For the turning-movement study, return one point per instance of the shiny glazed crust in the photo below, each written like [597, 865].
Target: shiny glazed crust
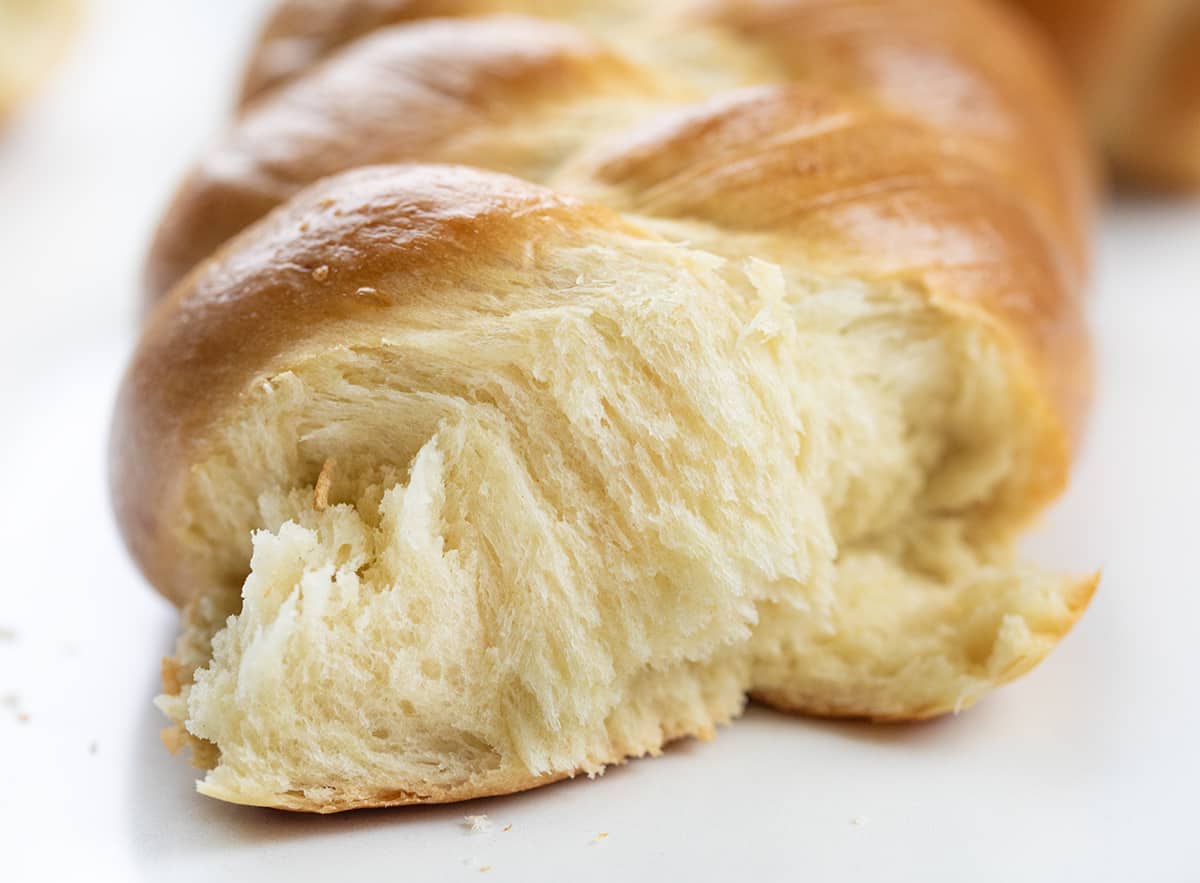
[1135, 65]
[484, 87]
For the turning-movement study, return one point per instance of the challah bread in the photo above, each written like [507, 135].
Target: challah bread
[1136, 64]
[467, 483]
[32, 36]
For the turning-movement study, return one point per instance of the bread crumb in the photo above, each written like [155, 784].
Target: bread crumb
[7, 634]
[506, 828]
[961, 702]
[477, 824]
[173, 738]
[602, 835]
[12, 701]
[483, 869]
[858, 821]
[321, 273]
[321, 490]
[171, 673]
[93, 747]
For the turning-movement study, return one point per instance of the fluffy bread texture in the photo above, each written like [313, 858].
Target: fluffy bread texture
[591, 486]
[33, 34]
[467, 484]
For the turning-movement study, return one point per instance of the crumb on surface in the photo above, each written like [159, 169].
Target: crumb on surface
[172, 674]
[477, 824]
[506, 828]
[483, 869]
[321, 489]
[173, 738]
[858, 821]
[12, 701]
[7, 634]
[321, 273]
[93, 747]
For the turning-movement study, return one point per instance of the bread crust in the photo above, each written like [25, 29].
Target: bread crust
[1133, 63]
[393, 98]
[340, 106]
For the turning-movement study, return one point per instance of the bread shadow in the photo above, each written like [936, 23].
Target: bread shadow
[907, 736]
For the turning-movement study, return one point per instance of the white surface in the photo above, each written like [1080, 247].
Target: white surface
[1086, 770]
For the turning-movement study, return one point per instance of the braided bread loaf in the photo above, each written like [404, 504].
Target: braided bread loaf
[1136, 64]
[730, 356]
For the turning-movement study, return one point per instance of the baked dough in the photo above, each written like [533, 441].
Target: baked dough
[1136, 65]
[741, 373]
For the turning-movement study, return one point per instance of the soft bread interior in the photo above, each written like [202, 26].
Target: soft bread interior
[518, 537]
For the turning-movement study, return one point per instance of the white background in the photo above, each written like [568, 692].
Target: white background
[1087, 770]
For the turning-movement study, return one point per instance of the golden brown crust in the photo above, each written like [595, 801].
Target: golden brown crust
[1134, 66]
[1003, 97]
[1159, 147]
[299, 34]
[411, 94]
[966, 65]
